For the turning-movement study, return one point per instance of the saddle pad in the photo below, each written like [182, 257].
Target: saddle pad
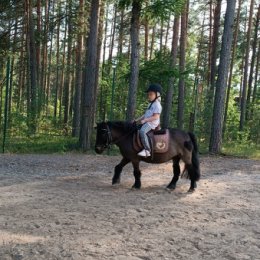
[160, 142]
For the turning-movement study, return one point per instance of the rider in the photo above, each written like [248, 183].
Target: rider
[151, 118]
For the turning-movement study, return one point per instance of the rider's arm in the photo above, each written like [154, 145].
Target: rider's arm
[139, 118]
[150, 119]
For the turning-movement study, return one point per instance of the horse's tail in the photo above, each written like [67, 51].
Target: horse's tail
[195, 158]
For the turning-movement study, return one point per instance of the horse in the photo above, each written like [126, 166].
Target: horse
[182, 146]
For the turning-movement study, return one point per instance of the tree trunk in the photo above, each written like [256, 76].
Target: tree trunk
[113, 31]
[217, 121]
[244, 91]
[57, 63]
[146, 38]
[32, 120]
[134, 31]
[257, 68]
[210, 40]
[78, 79]
[121, 33]
[67, 85]
[214, 49]
[90, 78]
[44, 60]
[232, 64]
[252, 65]
[152, 42]
[181, 85]
[100, 39]
[169, 95]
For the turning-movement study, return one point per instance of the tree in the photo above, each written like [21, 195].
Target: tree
[169, 94]
[246, 65]
[32, 90]
[181, 86]
[217, 121]
[78, 80]
[88, 105]
[252, 65]
[135, 56]
[232, 64]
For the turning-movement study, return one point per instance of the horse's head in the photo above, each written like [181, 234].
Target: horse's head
[102, 138]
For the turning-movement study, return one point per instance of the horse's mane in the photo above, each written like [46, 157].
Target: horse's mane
[122, 125]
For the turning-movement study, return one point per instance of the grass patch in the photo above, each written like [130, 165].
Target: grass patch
[242, 150]
[42, 144]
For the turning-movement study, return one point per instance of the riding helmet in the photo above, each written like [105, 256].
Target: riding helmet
[157, 88]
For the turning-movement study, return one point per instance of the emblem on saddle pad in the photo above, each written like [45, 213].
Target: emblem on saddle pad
[160, 145]
[159, 141]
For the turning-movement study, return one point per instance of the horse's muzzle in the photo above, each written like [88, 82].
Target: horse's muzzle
[99, 149]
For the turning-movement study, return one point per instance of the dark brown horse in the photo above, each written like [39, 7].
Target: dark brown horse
[182, 146]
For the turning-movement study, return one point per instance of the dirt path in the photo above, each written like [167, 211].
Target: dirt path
[64, 207]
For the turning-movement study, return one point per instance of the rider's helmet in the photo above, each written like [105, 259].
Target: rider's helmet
[157, 88]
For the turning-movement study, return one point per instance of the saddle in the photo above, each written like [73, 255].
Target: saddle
[159, 140]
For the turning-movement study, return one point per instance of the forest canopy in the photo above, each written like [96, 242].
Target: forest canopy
[66, 64]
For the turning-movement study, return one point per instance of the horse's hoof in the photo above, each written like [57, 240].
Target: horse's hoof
[191, 190]
[115, 182]
[171, 187]
[136, 187]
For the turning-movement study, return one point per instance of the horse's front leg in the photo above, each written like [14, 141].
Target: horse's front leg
[176, 174]
[118, 170]
[137, 175]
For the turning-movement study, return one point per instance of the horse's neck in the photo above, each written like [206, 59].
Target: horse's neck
[119, 134]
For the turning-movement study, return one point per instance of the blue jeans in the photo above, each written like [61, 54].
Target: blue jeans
[144, 138]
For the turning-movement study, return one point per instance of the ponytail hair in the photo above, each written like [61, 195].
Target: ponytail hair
[159, 97]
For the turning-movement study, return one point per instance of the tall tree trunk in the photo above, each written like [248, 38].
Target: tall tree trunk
[78, 79]
[38, 42]
[33, 70]
[67, 85]
[169, 95]
[181, 85]
[44, 60]
[103, 101]
[113, 31]
[134, 31]
[167, 34]
[100, 39]
[121, 33]
[217, 121]
[152, 42]
[12, 72]
[214, 49]
[210, 40]
[252, 65]
[257, 69]
[90, 78]
[57, 62]
[146, 38]
[244, 91]
[232, 64]
[49, 67]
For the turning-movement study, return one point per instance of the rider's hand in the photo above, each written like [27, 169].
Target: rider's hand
[143, 121]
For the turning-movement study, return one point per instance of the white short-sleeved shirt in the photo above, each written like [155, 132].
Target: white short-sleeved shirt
[155, 108]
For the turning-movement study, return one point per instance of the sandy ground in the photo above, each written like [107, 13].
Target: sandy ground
[64, 207]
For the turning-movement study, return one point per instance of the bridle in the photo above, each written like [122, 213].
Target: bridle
[109, 139]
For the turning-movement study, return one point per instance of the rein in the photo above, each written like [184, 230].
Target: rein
[110, 141]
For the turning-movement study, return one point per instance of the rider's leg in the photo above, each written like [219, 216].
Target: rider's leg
[145, 141]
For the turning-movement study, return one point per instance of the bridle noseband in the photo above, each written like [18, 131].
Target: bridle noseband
[109, 140]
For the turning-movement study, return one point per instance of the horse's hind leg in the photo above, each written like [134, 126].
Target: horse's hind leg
[176, 174]
[137, 175]
[193, 184]
[118, 170]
